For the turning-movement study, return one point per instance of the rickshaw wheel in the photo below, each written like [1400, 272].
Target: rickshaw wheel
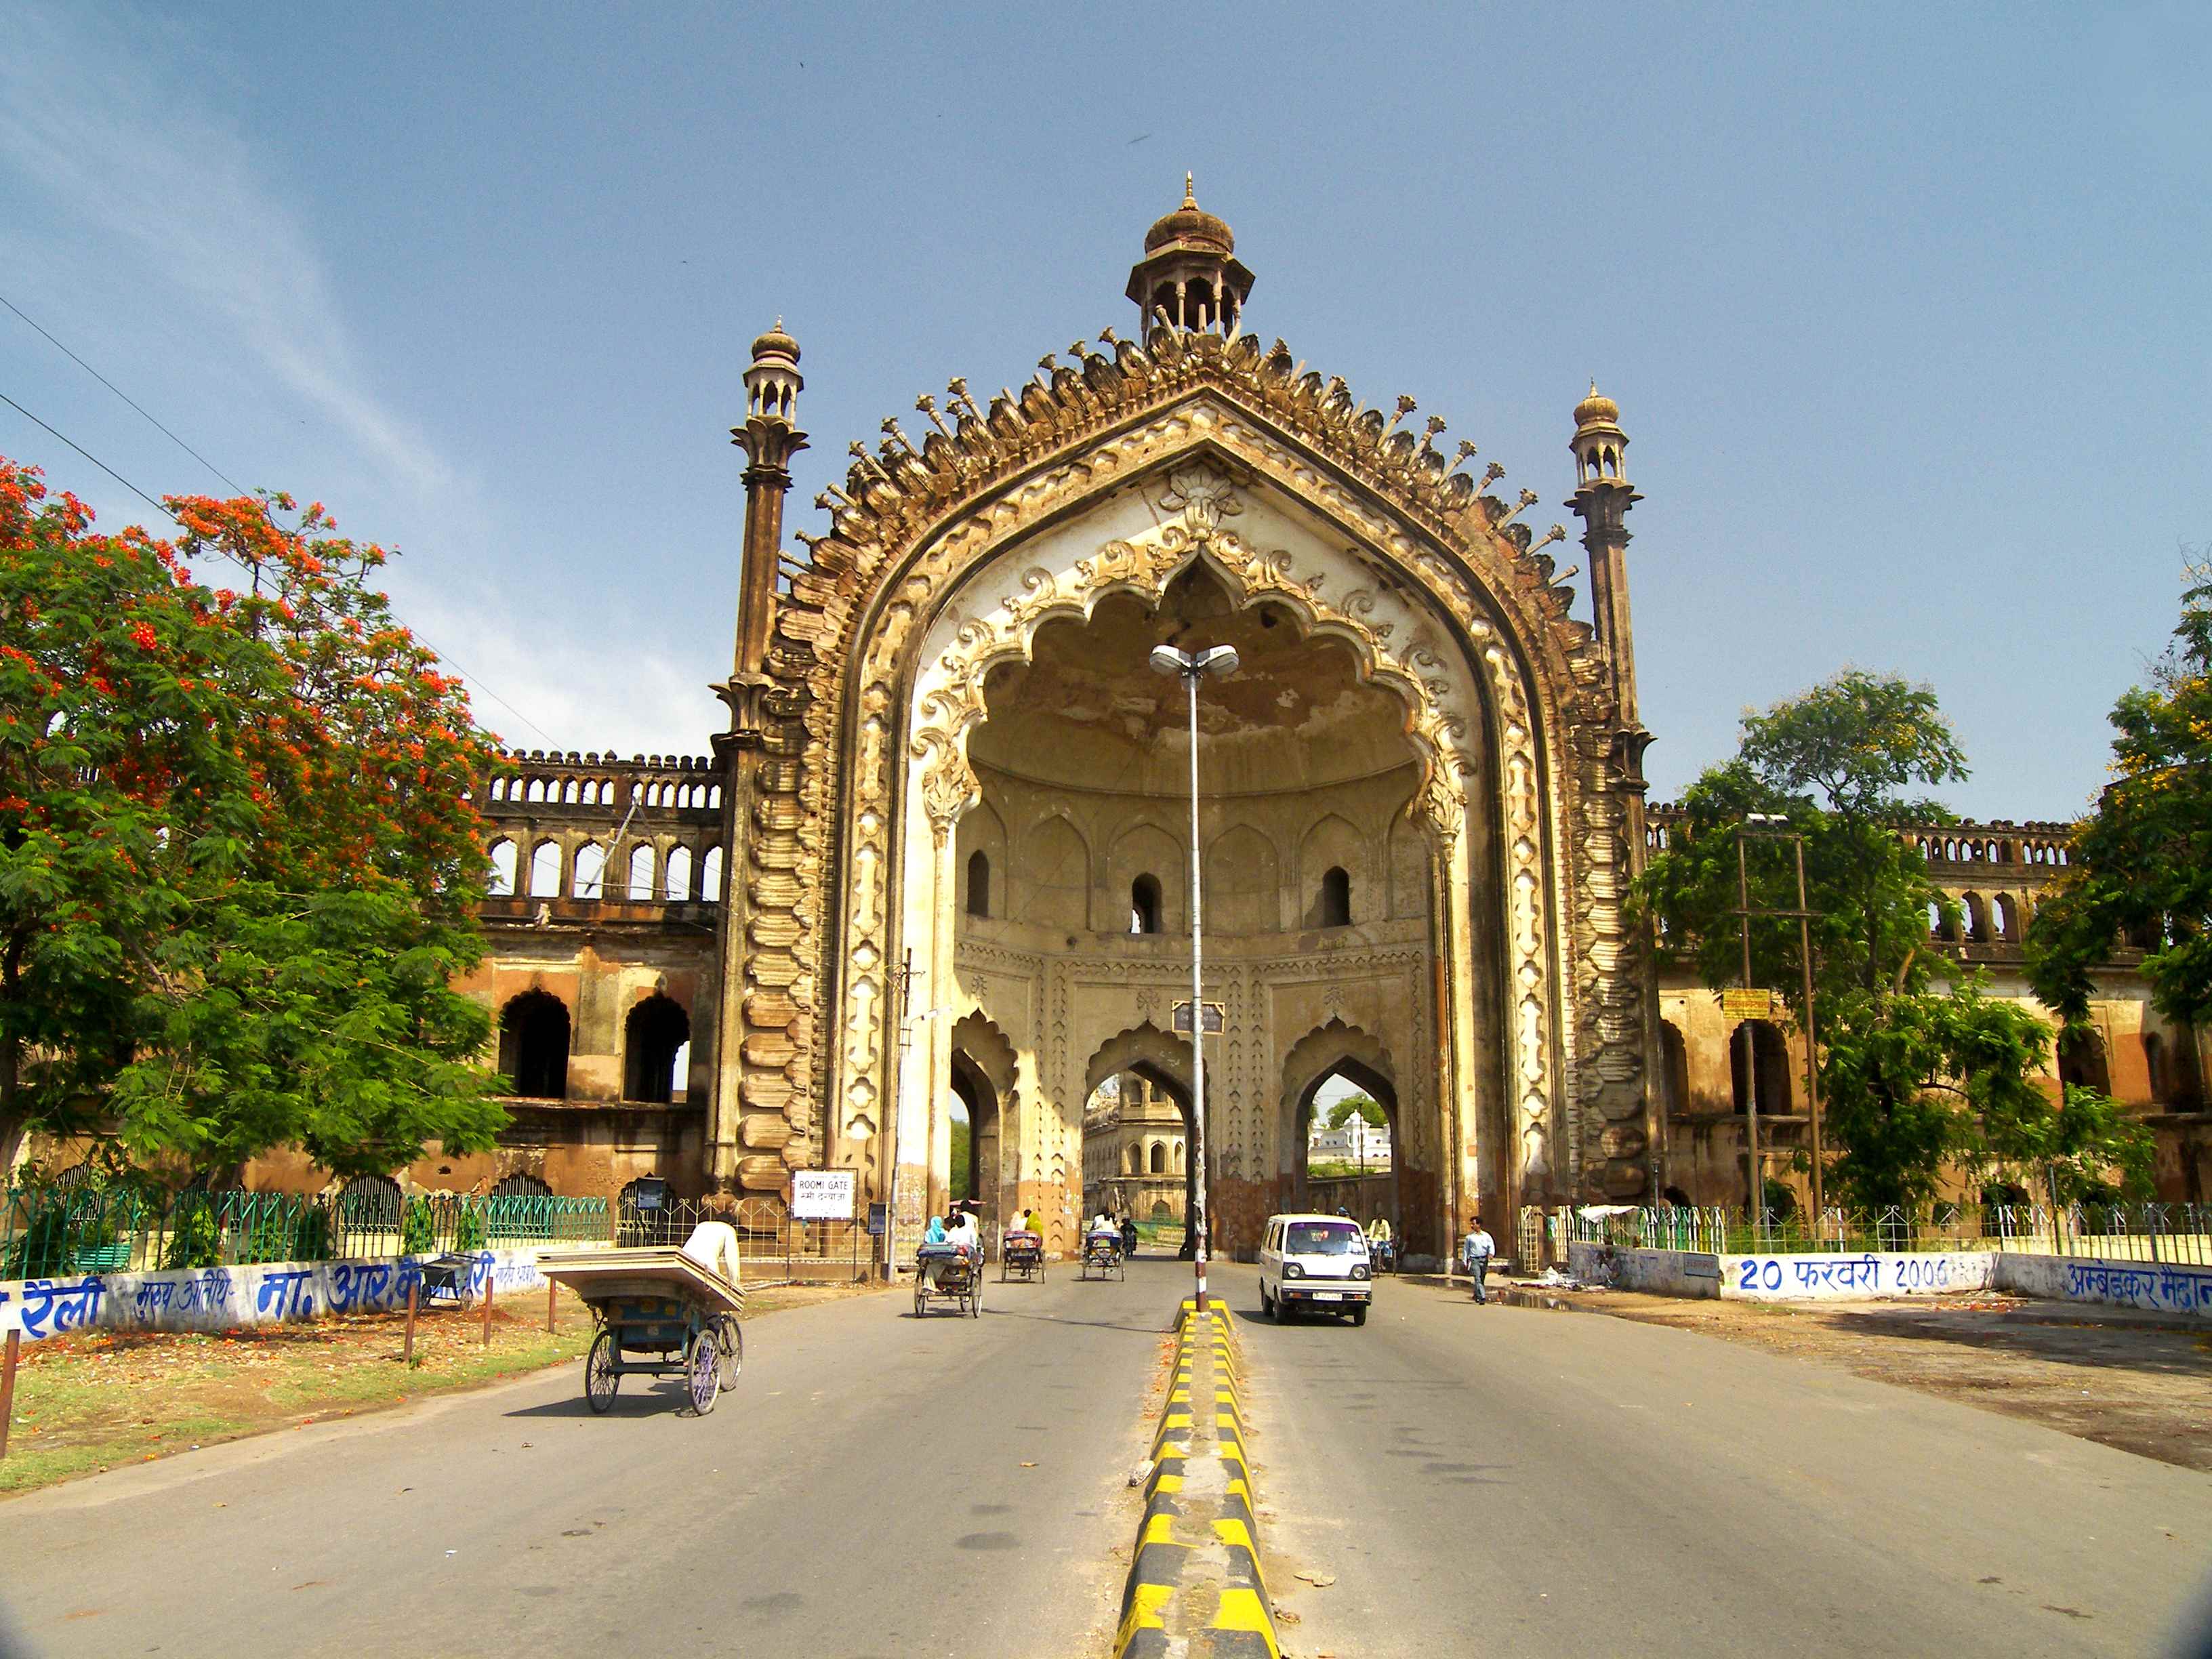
[975, 1297]
[920, 1294]
[600, 1377]
[706, 1374]
[729, 1348]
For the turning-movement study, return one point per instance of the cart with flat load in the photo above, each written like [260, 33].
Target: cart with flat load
[948, 1276]
[1021, 1254]
[663, 1311]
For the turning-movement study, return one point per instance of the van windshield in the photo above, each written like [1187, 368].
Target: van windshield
[1324, 1238]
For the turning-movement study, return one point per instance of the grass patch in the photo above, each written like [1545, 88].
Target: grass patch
[92, 1401]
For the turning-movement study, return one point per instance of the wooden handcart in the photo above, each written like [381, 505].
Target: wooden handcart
[661, 1313]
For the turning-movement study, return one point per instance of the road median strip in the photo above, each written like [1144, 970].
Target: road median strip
[1195, 1586]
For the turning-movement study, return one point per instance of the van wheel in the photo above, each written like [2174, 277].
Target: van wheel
[1280, 1311]
[1359, 1315]
[1267, 1303]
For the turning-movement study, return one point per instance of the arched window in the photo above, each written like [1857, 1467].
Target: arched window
[584, 879]
[1760, 1064]
[979, 883]
[533, 1046]
[654, 1030]
[1674, 1066]
[641, 871]
[1145, 905]
[1159, 1157]
[710, 876]
[1978, 919]
[2082, 1061]
[2004, 920]
[545, 870]
[1334, 905]
[1135, 1161]
[500, 883]
[676, 874]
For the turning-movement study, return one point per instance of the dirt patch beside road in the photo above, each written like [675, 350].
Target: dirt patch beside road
[91, 1400]
[2132, 1385]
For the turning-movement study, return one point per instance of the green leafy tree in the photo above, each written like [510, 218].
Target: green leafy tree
[2141, 865]
[238, 868]
[1914, 1077]
[1359, 1106]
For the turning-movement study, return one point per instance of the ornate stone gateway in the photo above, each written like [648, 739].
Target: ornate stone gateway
[956, 799]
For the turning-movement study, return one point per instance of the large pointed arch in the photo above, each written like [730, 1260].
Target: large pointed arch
[942, 565]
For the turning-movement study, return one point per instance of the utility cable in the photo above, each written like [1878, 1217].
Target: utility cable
[236, 486]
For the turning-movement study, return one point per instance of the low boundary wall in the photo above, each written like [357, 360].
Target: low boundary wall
[227, 1299]
[2153, 1287]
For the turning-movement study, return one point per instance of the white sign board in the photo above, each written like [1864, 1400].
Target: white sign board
[822, 1194]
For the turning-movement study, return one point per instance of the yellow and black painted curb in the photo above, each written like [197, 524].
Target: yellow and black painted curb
[1195, 1587]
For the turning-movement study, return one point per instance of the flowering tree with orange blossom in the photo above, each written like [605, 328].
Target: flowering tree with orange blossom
[239, 865]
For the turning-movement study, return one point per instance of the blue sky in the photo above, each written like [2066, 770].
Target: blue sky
[1905, 307]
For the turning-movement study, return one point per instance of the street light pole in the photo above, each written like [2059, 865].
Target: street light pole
[1193, 666]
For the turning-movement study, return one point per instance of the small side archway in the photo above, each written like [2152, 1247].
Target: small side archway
[533, 1045]
[655, 1033]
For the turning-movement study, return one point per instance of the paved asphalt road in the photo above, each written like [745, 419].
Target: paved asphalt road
[862, 1492]
[1505, 1481]
[1489, 1481]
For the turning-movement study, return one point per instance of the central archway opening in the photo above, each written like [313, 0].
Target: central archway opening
[1073, 871]
[1346, 1146]
[1136, 1155]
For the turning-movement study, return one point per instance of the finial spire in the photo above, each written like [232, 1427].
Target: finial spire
[1190, 190]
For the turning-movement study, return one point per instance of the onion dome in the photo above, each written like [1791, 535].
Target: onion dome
[1190, 226]
[776, 343]
[1597, 410]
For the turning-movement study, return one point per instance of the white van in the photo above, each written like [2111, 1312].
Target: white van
[1316, 1261]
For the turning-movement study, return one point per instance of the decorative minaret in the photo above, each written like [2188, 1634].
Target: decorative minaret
[1188, 276]
[769, 440]
[1602, 498]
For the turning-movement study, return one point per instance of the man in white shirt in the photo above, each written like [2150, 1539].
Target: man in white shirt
[1475, 1250]
[964, 1235]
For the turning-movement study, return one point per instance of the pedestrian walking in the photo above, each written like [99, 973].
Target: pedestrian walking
[1475, 1250]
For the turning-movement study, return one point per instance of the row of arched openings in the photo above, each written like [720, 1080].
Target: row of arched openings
[534, 1042]
[648, 876]
[1760, 1069]
[1160, 1159]
[1332, 905]
[1979, 921]
[603, 792]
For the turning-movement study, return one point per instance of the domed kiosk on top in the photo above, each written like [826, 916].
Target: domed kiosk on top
[1189, 278]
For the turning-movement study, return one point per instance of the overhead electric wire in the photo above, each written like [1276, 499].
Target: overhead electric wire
[65, 438]
[126, 397]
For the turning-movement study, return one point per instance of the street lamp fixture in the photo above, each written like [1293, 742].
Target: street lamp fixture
[1191, 666]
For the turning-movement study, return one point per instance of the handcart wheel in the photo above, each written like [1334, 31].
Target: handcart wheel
[601, 1379]
[729, 1348]
[705, 1373]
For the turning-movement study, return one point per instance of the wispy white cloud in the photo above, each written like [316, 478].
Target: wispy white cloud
[136, 168]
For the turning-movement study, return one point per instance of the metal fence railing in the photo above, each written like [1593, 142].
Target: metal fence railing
[2178, 1233]
[50, 1231]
